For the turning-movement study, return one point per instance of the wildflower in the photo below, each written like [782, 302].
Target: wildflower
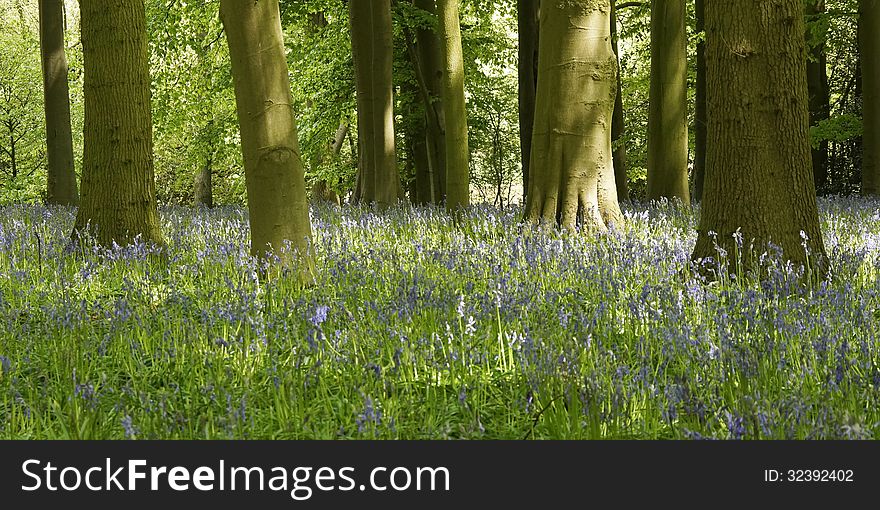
[376, 369]
[714, 351]
[738, 237]
[130, 430]
[85, 391]
[320, 315]
[735, 425]
[370, 415]
[5, 364]
[471, 326]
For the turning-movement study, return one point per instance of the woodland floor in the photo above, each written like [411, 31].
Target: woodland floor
[418, 328]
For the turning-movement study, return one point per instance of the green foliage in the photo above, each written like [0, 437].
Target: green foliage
[839, 129]
[194, 117]
[837, 28]
[634, 45]
[322, 76]
[194, 108]
[492, 99]
[22, 124]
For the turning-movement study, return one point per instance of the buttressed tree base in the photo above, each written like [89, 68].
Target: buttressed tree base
[571, 178]
[759, 179]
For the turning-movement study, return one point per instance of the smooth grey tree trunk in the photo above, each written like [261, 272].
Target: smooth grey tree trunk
[61, 177]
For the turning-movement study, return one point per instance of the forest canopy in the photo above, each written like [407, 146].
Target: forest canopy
[194, 112]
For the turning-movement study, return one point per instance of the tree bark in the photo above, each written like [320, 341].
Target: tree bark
[276, 193]
[572, 174]
[371, 40]
[421, 167]
[618, 128]
[817, 86]
[118, 200]
[527, 12]
[454, 109]
[759, 176]
[203, 192]
[322, 190]
[667, 117]
[430, 72]
[869, 35]
[417, 155]
[61, 177]
[700, 120]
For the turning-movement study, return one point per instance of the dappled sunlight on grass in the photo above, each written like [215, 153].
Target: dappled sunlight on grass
[420, 328]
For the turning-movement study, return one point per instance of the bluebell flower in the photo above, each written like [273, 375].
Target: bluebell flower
[130, 430]
[320, 315]
[735, 425]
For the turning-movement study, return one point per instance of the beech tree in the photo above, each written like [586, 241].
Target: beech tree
[700, 121]
[371, 40]
[667, 119]
[454, 109]
[759, 179]
[618, 128]
[571, 176]
[527, 17]
[322, 190]
[428, 59]
[203, 187]
[869, 30]
[276, 190]
[118, 201]
[817, 87]
[61, 177]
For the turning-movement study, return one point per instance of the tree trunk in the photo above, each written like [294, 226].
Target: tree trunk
[572, 174]
[817, 86]
[276, 192]
[870, 57]
[454, 110]
[430, 72]
[13, 158]
[667, 117]
[203, 193]
[371, 40]
[700, 120]
[419, 162]
[759, 176]
[118, 199]
[61, 177]
[527, 11]
[618, 127]
[421, 165]
[322, 190]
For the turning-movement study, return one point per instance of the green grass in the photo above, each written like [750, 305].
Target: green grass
[482, 330]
